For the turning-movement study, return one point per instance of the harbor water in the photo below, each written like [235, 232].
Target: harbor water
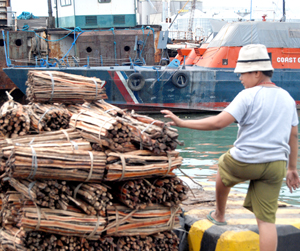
[202, 150]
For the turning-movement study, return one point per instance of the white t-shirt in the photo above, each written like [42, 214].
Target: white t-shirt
[265, 116]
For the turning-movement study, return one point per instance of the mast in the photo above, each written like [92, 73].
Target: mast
[50, 15]
[57, 24]
[191, 21]
[250, 10]
[283, 11]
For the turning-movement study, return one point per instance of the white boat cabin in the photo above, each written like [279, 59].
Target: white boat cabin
[96, 13]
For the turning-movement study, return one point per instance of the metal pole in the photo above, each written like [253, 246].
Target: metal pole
[250, 10]
[56, 14]
[283, 10]
[163, 12]
[50, 15]
[50, 8]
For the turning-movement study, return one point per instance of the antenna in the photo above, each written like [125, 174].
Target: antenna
[191, 21]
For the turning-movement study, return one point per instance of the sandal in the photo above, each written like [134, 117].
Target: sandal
[211, 219]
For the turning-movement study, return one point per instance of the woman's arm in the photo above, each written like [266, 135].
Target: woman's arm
[217, 122]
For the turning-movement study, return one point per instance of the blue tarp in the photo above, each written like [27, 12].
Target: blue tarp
[26, 15]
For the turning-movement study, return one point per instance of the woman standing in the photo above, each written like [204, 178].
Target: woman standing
[267, 143]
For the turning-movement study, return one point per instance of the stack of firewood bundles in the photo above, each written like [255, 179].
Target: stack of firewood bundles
[44, 168]
[60, 87]
[66, 186]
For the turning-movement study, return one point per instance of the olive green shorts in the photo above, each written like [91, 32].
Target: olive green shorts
[265, 183]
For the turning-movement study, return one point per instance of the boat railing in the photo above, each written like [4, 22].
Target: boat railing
[183, 35]
[179, 35]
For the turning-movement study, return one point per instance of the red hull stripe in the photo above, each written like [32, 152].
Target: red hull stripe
[217, 106]
[185, 105]
[121, 84]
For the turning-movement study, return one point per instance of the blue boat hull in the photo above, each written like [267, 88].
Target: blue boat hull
[206, 90]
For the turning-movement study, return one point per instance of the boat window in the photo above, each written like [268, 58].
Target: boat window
[65, 2]
[18, 42]
[104, 1]
[295, 33]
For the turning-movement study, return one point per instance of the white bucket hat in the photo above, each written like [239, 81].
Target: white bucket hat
[253, 57]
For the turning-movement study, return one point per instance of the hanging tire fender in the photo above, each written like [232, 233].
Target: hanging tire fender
[136, 81]
[180, 79]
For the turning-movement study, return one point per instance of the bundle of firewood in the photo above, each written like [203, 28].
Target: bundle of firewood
[134, 193]
[124, 221]
[169, 191]
[162, 241]
[60, 136]
[142, 192]
[46, 117]
[164, 138]
[141, 163]
[52, 194]
[40, 241]
[166, 240]
[96, 195]
[105, 243]
[110, 127]
[60, 87]
[70, 222]
[12, 238]
[12, 202]
[62, 140]
[50, 162]
[14, 121]
[102, 128]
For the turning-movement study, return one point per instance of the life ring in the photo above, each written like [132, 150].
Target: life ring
[180, 79]
[136, 81]
[164, 62]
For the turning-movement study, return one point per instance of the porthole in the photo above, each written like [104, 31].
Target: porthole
[18, 42]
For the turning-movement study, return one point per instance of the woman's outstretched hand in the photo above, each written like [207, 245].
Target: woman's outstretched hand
[175, 120]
